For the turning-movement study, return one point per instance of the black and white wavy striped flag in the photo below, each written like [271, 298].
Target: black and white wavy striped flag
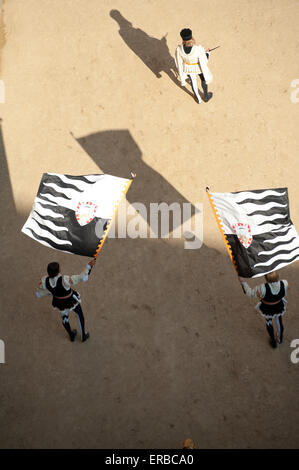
[257, 229]
[73, 213]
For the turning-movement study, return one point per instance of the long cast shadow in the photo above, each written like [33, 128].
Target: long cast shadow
[153, 52]
[9, 220]
[163, 322]
[117, 153]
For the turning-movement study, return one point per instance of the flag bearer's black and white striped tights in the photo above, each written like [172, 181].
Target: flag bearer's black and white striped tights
[67, 326]
[270, 329]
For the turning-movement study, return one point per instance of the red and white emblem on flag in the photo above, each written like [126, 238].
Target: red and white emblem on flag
[85, 212]
[243, 232]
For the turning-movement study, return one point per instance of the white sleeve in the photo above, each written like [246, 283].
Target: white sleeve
[179, 64]
[286, 285]
[258, 291]
[42, 283]
[69, 281]
[203, 60]
[42, 291]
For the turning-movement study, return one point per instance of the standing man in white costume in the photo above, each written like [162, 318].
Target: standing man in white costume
[192, 60]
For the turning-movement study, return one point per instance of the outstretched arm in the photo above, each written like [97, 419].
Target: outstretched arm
[258, 291]
[69, 281]
[41, 291]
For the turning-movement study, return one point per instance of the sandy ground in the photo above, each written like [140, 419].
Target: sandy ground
[176, 350]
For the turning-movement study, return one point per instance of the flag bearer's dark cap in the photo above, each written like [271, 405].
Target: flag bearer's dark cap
[186, 34]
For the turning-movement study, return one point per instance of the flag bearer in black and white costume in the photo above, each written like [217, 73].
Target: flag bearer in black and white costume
[272, 303]
[65, 298]
[73, 213]
[192, 60]
[261, 239]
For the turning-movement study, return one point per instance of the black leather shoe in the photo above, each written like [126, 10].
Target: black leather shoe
[273, 343]
[279, 340]
[74, 334]
[207, 97]
[85, 337]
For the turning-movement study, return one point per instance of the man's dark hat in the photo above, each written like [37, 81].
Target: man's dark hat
[186, 34]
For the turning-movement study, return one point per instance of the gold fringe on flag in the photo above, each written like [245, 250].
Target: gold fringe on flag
[124, 192]
[221, 229]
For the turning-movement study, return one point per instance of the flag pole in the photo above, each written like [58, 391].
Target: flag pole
[219, 223]
[108, 227]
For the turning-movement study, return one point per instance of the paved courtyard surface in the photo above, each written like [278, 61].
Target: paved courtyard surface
[176, 350]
